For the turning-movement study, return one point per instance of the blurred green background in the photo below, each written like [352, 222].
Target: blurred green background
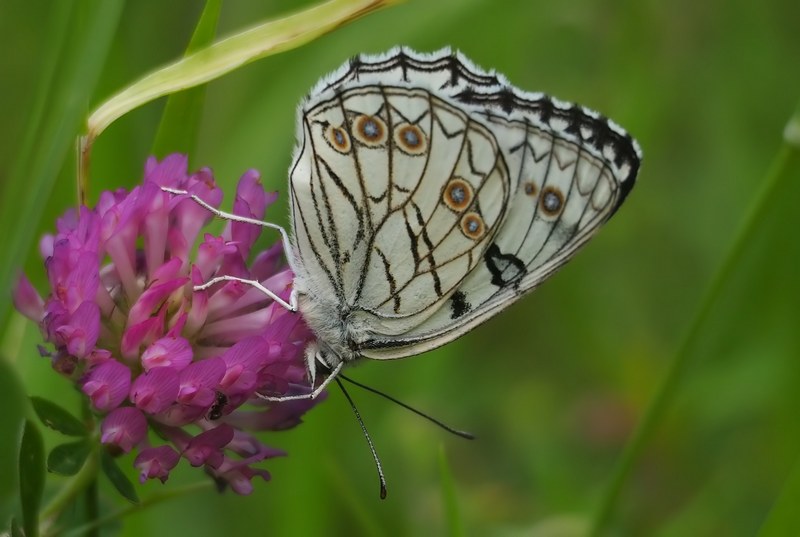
[555, 386]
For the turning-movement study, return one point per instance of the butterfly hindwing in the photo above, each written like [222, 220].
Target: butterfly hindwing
[570, 170]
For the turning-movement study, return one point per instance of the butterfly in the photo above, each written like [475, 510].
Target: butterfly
[427, 195]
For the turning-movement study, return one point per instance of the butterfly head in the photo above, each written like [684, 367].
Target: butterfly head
[321, 360]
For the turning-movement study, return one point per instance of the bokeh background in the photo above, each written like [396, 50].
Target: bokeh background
[555, 386]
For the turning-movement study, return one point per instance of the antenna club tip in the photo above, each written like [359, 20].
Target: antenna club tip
[383, 491]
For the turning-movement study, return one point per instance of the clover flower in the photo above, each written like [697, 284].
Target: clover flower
[174, 372]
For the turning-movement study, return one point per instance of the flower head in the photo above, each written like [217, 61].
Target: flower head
[151, 350]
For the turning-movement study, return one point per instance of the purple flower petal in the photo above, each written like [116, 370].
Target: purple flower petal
[206, 448]
[211, 253]
[46, 246]
[107, 385]
[80, 333]
[27, 300]
[156, 226]
[153, 298]
[188, 216]
[251, 448]
[277, 417]
[82, 281]
[124, 427]
[170, 351]
[234, 264]
[199, 380]
[143, 333]
[251, 202]
[156, 390]
[178, 415]
[240, 310]
[156, 462]
[239, 476]
[199, 306]
[119, 228]
[170, 171]
[178, 248]
[243, 362]
[97, 357]
[268, 262]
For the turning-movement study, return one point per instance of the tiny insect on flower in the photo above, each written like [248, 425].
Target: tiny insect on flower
[154, 353]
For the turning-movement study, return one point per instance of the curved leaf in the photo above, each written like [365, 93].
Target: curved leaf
[118, 478]
[223, 57]
[67, 459]
[87, 29]
[12, 420]
[455, 524]
[16, 531]
[31, 477]
[180, 121]
[57, 418]
[784, 519]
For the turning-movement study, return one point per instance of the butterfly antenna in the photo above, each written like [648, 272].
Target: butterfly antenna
[368, 437]
[462, 434]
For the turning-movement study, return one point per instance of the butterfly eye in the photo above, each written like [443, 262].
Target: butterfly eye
[338, 139]
[370, 130]
[457, 194]
[410, 139]
[552, 201]
[472, 226]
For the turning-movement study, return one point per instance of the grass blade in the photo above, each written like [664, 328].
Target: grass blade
[89, 30]
[776, 199]
[220, 58]
[31, 477]
[180, 122]
[455, 525]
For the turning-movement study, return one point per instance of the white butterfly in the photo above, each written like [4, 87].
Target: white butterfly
[427, 195]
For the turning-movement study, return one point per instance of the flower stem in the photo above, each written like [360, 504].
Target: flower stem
[77, 484]
[92, 527]
[91, 498]
[92, 510]
[785, 161]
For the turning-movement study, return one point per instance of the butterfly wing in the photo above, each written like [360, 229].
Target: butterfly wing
[570, 171]
[427, 195]
[396, 194]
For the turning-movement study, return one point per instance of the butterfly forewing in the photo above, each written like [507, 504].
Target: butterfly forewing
[400, 196]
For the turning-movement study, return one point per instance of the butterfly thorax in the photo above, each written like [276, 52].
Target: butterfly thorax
[334, 327]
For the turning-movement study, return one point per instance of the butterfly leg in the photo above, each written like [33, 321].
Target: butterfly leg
[292, 304]
[313, 395]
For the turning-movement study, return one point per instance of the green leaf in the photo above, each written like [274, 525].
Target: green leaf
[80, 34]
[118, 478]
[455, 525]
[57, 418]
[67, 459]
[746, 275]
[31, 477]
[12, 421]
[16, 531]
[784, 518]
[223, 57]
[180, 121]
